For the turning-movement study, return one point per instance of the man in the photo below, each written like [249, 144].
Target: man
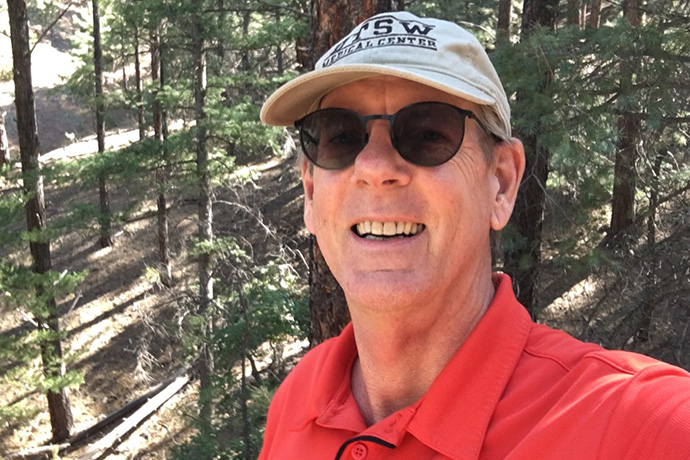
[409, 164]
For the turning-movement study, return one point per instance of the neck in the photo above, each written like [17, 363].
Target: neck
[401, 356]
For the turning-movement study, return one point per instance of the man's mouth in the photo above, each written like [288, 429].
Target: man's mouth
[375, 230]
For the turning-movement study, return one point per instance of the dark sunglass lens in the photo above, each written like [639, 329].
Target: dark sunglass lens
[428, 134]
[332, 138]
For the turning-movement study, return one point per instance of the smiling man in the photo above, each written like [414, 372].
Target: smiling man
[408, 165]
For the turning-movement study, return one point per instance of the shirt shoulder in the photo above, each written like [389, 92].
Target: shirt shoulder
[641, 405]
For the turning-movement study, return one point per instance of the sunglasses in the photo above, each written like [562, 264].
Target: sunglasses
[424, 134]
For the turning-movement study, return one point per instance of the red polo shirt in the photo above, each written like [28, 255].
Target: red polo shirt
[514, 390]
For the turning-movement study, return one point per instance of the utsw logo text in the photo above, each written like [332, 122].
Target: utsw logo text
[383, 31]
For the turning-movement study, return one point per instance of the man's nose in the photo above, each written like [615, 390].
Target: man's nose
[379, 163]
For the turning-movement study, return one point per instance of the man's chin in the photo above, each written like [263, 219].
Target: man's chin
[383, 292]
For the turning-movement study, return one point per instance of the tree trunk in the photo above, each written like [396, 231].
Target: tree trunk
[331, 21]
[246, 21]
[4, 143]
[51, 350]
[205, 263]
[573, 12]
[522, 260]
[140, 95]
[161, 170]
[279, 50]
[654, 196]
[594, 14]
[583, 15]
[624, 174]
[123, 58]
[504, 13]
[106, 238]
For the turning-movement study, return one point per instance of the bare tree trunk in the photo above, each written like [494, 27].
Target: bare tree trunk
[4, 143]
[629, 125]
[161, 170]
[279, 50]
[573, 12]
[246, 21]
[583, 15]
[504, 13]
[137, 77]
[522, 261]
[205, 263]
[654, 197]
[106, 237]
[594, 14]
[222, 20]
[51, 350]
[123, 57]
[244, 393]
[331, 21]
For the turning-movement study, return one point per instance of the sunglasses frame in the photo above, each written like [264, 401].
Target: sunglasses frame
[365, 119]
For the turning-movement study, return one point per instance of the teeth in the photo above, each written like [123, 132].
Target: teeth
[389, 228]
[375, 228]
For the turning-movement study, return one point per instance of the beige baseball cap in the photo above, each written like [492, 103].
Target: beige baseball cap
[433, 52]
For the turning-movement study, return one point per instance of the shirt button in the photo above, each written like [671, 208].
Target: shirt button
[359, 451]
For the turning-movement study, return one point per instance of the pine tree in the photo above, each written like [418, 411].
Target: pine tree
[46, 315]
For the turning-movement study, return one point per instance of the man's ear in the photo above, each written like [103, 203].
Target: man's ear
[509, 166]
[308, 184]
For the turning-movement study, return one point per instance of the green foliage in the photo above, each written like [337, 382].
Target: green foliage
[33, 293]
[260, 306]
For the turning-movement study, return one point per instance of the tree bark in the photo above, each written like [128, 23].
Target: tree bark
[279, 49]
[246, 21]
[51, 350]
[104, 200]
[573, 12]
[505, 8]
[629, 125]
[140, 94]
[161, 170]
[331, 21]
[205, 263]
[4, 143]
[654, 196]
[594, 14]
[522, 260]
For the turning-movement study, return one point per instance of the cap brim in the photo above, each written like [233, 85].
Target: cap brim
[300, 96]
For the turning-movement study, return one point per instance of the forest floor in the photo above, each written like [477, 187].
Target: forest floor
[120, 327]
[121, 330]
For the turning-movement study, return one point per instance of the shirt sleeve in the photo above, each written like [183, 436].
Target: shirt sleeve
[652, 419]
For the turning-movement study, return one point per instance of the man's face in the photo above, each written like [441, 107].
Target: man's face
[453, 206]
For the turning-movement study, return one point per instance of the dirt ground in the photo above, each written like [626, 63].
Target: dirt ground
[122, 327]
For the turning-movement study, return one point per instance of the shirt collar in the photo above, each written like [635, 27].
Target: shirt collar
[475, 379]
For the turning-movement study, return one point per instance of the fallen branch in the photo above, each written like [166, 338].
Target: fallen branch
[125, 410]
[27, 453]
[136, 418]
